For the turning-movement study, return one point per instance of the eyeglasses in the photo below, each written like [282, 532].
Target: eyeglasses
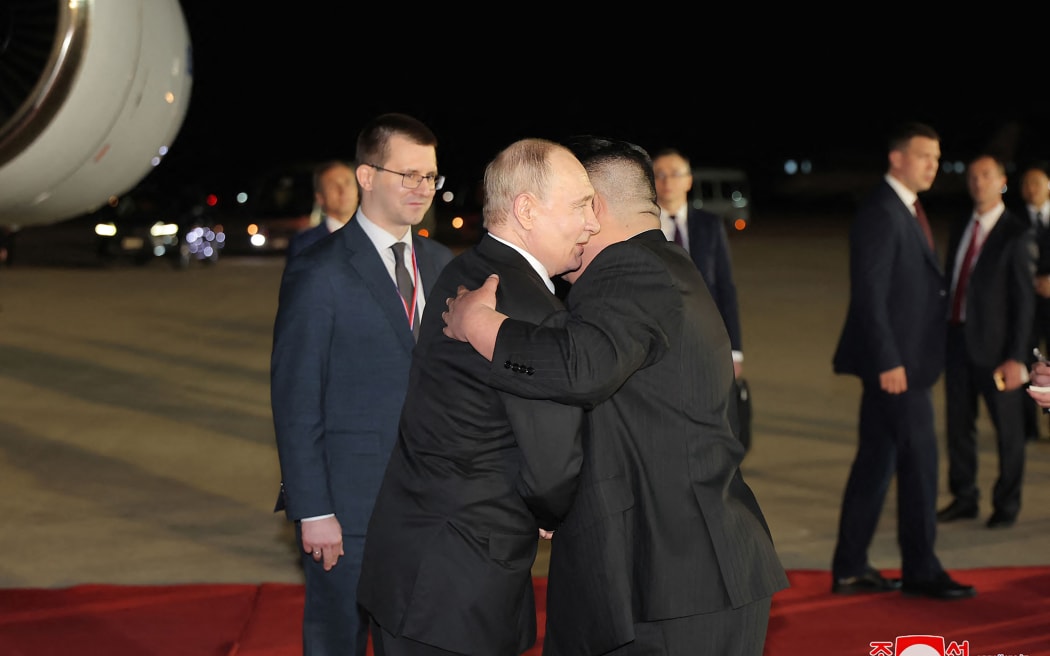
[412, 180]
[667, 176]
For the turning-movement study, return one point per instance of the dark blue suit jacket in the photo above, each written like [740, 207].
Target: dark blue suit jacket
[709, 248]
[898, 296]
[342, 348]
[304, 238]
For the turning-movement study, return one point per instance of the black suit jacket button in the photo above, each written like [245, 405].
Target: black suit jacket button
[508, 365]
[529, 370]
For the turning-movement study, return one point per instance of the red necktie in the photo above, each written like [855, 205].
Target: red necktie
[964, 273]
[920, 214]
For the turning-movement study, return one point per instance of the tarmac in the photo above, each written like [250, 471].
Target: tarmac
[136, 442]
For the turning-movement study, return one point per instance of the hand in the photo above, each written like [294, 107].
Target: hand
[1042, 399]
[1041, 374]
[324, 539]
[894, 381]
[1013, 375]
[545, 534]
[1042, 286]
[472, 317]
[460, 307]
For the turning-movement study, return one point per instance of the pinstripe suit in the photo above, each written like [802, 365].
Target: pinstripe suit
[663, 525]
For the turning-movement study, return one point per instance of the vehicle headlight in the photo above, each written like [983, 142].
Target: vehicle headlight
[105, 229]
[161, 229]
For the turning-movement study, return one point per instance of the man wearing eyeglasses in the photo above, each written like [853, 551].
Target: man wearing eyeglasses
[342, 347]
[703, 235]
[476, 472]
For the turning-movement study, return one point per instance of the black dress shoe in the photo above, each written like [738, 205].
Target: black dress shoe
[1000, 519]
[868, 582]
[957, 510]
[942, 587]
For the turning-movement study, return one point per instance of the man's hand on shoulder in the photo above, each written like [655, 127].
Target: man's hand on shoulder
[472, 317]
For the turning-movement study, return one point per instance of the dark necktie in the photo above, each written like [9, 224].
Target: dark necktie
[964, 273]
[405, 286]
[920, 214]
[677, 233]
[1038, 223]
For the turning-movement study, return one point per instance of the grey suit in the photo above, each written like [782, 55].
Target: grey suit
[339, 370]
[663, 526]
[475, 474]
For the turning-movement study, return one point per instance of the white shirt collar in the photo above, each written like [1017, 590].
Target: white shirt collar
[381, 239]
[332, 224]
[908, 197]
[668, 221]
[1044, 211]
[540, 269]
[989, 219]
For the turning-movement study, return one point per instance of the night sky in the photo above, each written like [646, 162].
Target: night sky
[296, 84]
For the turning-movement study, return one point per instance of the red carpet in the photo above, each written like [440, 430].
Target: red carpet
[1010, 615]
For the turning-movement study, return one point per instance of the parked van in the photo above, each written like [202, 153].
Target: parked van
[724, 191]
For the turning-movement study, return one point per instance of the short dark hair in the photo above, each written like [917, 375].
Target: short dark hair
[595, 153]
[666, 152]
[1037, 165]
[374, 139]
[905, 132]
[325, 167]
[1000, 164]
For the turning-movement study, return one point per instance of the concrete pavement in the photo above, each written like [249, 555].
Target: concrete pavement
[136, 445]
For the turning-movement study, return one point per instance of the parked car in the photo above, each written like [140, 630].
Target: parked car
[150, 222]
[724, 191]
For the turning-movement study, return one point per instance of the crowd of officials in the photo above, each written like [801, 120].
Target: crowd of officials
[437, 415]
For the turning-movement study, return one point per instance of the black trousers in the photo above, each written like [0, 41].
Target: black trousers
[965, 383]
[896, 438]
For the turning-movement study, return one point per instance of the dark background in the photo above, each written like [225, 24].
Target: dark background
[295, 82]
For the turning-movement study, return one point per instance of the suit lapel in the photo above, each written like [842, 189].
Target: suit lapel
[915, 228]
[365, 263]
[508, 257]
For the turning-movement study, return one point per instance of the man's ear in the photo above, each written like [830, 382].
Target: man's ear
[598, 205]
[523, 206]
[365, 174]
[895, 158]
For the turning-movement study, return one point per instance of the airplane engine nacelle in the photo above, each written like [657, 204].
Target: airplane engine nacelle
[94, 93]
